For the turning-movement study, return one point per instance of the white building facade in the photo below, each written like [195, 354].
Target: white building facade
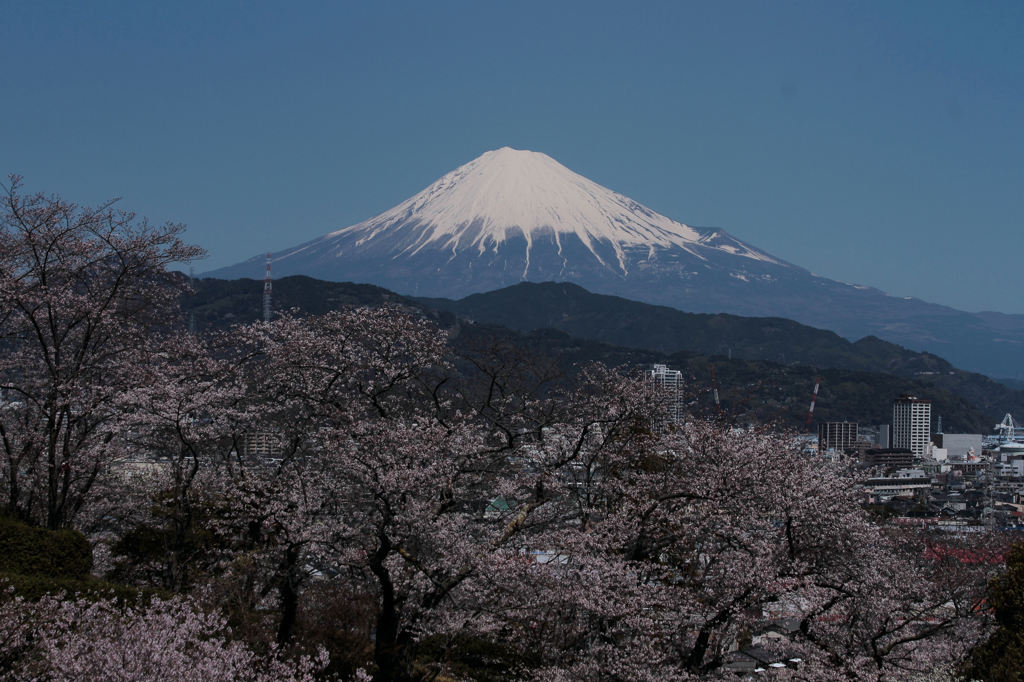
[911, 423]
[670, 383]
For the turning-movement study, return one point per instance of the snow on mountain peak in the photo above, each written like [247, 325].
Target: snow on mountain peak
[508, 193]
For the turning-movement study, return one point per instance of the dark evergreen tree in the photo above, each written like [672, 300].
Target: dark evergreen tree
[1001, 658]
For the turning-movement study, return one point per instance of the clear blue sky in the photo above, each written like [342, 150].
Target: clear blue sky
[879, 142]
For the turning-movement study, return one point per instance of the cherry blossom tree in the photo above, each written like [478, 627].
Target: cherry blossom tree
[81, 289]
[359, 389]
[388, 477]
[69, 639]
[183, 422]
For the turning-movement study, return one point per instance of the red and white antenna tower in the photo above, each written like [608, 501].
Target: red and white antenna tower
[814, 399]
[714, 389]
[266, 293]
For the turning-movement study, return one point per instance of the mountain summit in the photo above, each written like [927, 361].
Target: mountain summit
[512, 215]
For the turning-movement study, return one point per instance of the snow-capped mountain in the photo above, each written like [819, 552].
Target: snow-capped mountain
[509, 216]
[513, 215]
[513, 196]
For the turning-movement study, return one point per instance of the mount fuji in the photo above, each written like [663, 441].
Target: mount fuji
[510, 216]
[513, 215]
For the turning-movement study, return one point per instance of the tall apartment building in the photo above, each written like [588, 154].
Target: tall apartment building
[670, 383]
[839, 436]
[911, 423]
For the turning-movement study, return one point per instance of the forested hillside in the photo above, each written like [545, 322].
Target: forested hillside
[766, 367]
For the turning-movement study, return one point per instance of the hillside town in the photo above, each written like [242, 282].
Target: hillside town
[911, 471]
[919, 475]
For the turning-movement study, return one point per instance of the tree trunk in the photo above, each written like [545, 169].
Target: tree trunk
[389, 651]
[288, 590]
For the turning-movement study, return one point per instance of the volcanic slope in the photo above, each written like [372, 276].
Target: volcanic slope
[512, 215]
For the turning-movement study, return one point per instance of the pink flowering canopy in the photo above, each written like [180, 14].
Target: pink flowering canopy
[350, 481]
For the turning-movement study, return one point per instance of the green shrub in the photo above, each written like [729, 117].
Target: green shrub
[31, 551]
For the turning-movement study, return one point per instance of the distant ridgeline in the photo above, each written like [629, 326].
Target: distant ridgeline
[765, 366]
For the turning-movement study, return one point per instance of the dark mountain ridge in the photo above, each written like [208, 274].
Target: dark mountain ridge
[619, 321]
[765, 366]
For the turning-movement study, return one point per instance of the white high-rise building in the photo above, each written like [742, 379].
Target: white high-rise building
[670, 382]
[911, 423]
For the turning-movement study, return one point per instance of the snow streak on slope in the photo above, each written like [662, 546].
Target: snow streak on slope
[510, 193]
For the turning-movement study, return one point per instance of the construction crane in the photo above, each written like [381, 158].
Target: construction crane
[814, 399]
